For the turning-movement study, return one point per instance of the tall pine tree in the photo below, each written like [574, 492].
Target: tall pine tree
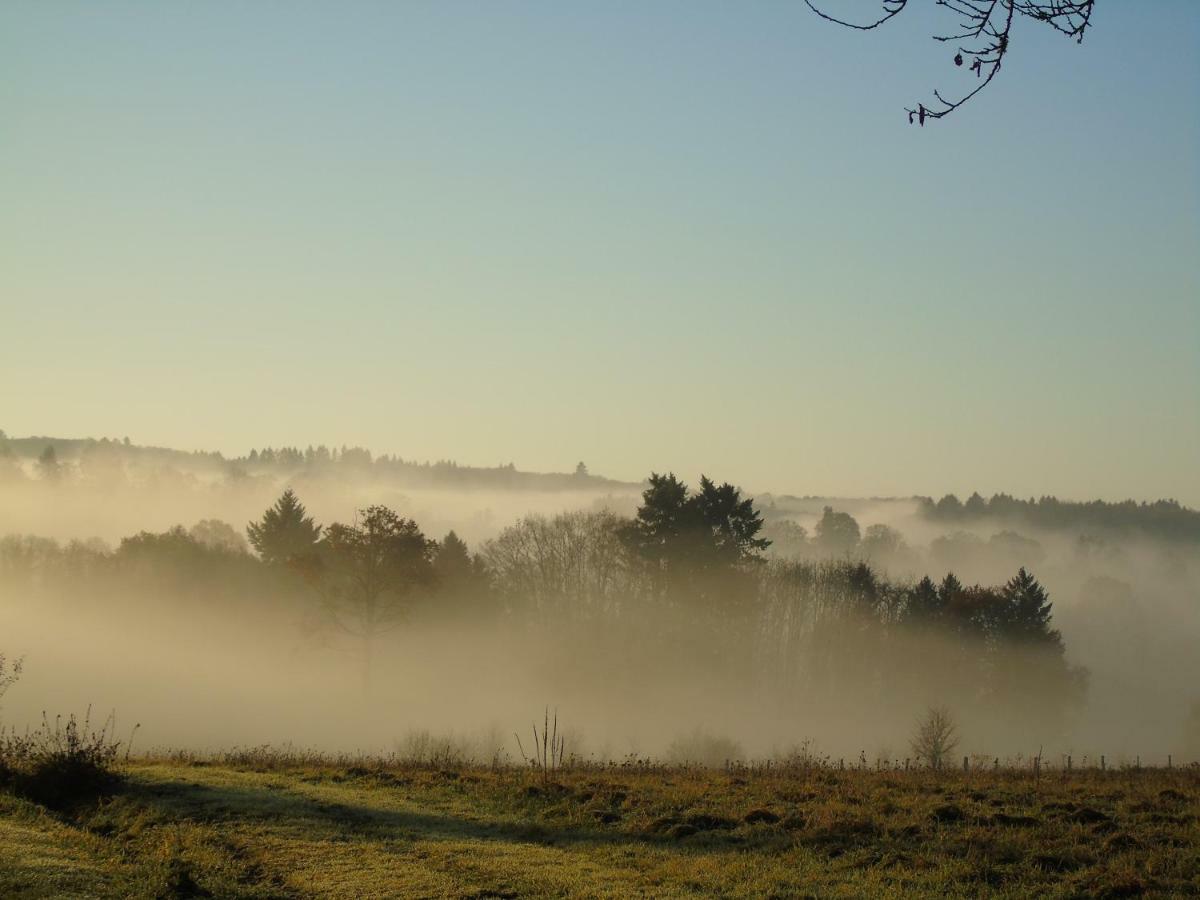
[285, 531]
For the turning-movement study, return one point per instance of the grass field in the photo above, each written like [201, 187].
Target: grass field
[195, 829]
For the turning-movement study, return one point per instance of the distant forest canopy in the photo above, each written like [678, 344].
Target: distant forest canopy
[112, 461]
[1161, 518]
[82, 454]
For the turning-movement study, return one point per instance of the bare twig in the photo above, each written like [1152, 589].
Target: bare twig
[986, 28]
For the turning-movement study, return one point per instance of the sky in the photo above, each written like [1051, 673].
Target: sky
[684, 235]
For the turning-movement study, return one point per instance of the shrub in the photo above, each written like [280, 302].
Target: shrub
[60, 765]
[420, 748]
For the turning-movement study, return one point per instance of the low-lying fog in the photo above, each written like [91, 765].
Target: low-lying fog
[213, 651]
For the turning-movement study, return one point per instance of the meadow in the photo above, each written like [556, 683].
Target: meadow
[268, 823]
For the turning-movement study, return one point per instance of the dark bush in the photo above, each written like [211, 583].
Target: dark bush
[61, 765]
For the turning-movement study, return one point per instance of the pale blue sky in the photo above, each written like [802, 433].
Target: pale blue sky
[678, 234]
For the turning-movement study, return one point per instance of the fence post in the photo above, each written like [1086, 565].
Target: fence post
[1102, 765]
[996, 765]
[966, 765]
[1168, 760]
[1068, 763]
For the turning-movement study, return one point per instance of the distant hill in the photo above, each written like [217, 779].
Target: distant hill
[318, 462]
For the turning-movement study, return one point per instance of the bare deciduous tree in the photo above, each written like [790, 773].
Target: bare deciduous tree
[935, 738]
[983, 36]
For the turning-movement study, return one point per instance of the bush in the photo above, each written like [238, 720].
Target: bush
[60, 766]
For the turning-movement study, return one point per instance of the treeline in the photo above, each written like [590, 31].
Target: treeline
[116, 462]
[684, 580]
[1161, 518]
[321, 460]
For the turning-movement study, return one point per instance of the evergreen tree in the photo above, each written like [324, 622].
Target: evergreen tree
[732, 522]
[284, 532]
[682, 534]
[1027, 613]
[923, 603]
[462, 580]
[696, 548]
[452, 560]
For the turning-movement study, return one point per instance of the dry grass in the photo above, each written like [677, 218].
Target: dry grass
[300, 826]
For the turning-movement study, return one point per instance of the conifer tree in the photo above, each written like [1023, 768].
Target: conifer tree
[285, 531]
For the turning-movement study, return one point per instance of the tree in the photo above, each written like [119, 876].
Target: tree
[923, 603]
[284, 532]
[1013, 549]
[1029, 663]
[881, 541]
[665, 517]
[788, 538]
[734, 523]
[837, 532]
[368, 572]
[1027, 613]
[683, 536]
[935, 738]
[218, 535]
[581, 470]
[699, 552]
[452, 559]
[462, 580]
[48, 466]
[961, 550]
[986, 26]
[571, 568]
[949, 507]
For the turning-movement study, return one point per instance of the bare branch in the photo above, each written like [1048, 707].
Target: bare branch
[986, 28]
[890, 8]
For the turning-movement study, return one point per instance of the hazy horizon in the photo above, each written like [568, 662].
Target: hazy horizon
[242, 453]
